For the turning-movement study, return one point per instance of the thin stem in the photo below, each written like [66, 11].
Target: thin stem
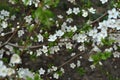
[98, 19]
[8, 39]
[74, 57]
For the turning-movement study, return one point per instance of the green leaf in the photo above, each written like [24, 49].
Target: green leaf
[37, 77]
[44, 16]
[5, 60]
[59, 72]
[68, 34]
[52, 3]
[81, 71]
[85, 28]
[107, 42]
[107, 54]
[96, 57]
[101, 56]
[25, 2]
[30, 28]
[51, 44]
[46, 35]
[28, 78]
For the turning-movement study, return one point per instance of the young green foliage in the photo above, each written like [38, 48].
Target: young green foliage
[44, 16]
[81, 71]
[36, 77]
[52, 3]
[107, 42]
[100, 56]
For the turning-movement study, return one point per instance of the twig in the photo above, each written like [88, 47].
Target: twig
[65, 63]
[69, 60]
[32, 47]
[99, 18]
[14, 45]
[8, 39]
[8, 33]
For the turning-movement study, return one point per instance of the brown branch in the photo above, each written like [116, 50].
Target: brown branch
[32, 47]
[71, 59]
[8, 33]
[8, 39]
[15, 45]
[98, 19]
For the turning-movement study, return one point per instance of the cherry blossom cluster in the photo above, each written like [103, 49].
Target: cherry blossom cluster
[66, 35]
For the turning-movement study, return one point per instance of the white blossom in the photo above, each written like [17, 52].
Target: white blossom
[2, 34]
[113, 13]
[3, 71]
[103, 25]
[56, 48]
[69, 45]
[64, 26]
[39, 52]
[117, 24]
[1, 29]
[93, 32]
[29, 2]
[1, 63]
[15, 59]
[4, 24]
[41, 71]
[59, 33]
[78, 63]
[81, 48]
[12, 1]
[90, 59]
[92, 67]
[73, 54]
[92, 10]
[71, 1]
[10, 71]
[111, 23]
[72, 65]
[54, 68]
[76, 10]
[24, 73]
[52, 38]
[116, 54]
[69, 11]
[109, 50]
[5, 13]
[56, 75]
[9, 47]
[13, 17]
[60, 16]
[36, 2]
[69, 20]
[95, 48]
[20, 33]
[100, 63]
[68, 29]
[103, 1]
[44, 49]
[40, 38]
[74, 28]
[79, 37]
[28, 19]
[84, 13]
[61, 69]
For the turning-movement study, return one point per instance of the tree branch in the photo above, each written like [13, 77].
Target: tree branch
[99, 18]
[8, 39]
